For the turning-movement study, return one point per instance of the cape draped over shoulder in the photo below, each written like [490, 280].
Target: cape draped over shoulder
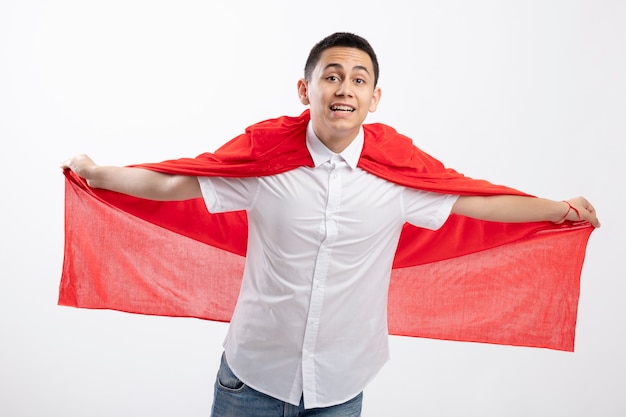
[471, 280]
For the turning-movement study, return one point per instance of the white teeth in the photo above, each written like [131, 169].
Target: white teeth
[342, 108]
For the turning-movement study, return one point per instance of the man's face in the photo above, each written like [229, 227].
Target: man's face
[340, 93]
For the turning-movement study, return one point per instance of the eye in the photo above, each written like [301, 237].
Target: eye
[332, 78]
[359, 81]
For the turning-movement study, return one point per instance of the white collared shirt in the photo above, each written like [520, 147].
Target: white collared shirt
[311, 318]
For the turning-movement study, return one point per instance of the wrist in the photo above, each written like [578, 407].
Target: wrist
[567, 209]
[93, 175]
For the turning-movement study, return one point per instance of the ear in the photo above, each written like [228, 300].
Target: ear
[303, 89]
[375, 99]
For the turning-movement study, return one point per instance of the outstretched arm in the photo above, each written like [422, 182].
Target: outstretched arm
[512, 209]
[137, 182]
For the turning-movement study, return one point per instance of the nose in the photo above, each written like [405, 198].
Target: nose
[345, 89]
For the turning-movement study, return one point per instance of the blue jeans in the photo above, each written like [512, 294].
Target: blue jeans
[232, 398]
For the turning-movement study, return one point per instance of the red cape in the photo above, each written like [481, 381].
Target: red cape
[515, 284]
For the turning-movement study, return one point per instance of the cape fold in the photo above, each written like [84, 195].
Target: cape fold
[505, 283]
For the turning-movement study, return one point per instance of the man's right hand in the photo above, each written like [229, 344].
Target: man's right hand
[82, 165]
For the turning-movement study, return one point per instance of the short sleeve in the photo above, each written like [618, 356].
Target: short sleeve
[427, 209]
[228, 194]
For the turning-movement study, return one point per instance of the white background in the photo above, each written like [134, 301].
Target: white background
[530, 94]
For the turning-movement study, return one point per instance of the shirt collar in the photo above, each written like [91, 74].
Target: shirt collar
[320, 153]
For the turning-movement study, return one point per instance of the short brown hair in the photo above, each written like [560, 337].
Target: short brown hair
[340, 39]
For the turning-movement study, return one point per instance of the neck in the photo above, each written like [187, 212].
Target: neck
[338, 143]
[337, 146]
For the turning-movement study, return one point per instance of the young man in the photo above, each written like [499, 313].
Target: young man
[310, 328]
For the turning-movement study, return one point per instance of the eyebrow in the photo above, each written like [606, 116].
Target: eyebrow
[339, 66]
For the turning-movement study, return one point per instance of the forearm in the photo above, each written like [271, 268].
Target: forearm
[137, 182]
[512, 209]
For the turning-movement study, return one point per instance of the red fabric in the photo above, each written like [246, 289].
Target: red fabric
[515, 284]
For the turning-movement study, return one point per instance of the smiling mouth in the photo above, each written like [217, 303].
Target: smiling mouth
[346, 109]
